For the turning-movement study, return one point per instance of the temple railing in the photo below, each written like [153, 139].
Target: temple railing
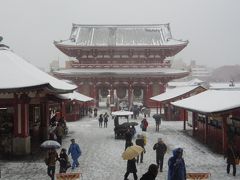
[150, 65]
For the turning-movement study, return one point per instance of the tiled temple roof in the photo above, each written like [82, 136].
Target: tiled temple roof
[121, 35]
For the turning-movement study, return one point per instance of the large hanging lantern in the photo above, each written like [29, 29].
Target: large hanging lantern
[137, 91]
[121, 92]
[104, 92]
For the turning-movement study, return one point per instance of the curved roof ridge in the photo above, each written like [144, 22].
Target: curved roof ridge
[119, 25]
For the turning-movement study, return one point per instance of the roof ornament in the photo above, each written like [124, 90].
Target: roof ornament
[232, 84]
[2, 45]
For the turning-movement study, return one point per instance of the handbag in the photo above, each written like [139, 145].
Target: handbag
[68, 164]
[236, 159]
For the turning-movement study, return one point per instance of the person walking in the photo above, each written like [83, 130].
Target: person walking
[151, 174]
[100, 120]
[128, 138]
[75, 152]
[63, 160]
[161, 149]
[105, 120]
[50, 161]
[144, 124]
[90, 112]
[176, 166]
[231, 156]
[131, 168]
[95, 110]
[140, 142]
[59, 131]
[157, 121]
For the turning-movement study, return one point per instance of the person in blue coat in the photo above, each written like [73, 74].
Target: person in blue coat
[176, 166]
[75, 152]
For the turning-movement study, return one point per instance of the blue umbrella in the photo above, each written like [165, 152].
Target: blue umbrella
[50, 144]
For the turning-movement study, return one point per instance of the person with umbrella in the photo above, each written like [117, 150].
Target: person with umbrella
[75, 152]
[131, 168]
[51, 157]
[50, 161]
[161, 149]
[129, 154]
[157, 118]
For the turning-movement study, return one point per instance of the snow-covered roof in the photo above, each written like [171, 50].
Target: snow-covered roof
[193, 82]
[122, 113]
[173, 93]
[16, 73]
[121, 35]
[211, 101]
[226, 86]
[75, 96]
[122, 71]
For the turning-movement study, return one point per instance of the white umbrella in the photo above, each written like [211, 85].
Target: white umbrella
[50, 144]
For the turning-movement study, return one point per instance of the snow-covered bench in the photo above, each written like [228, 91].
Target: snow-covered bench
[198, 176]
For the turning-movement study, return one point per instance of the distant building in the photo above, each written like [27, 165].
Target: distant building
[199, 71]
[54, 65]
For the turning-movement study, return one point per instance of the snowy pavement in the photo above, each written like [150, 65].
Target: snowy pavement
[101, 154]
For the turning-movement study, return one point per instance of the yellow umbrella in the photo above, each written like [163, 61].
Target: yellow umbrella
[132, 152]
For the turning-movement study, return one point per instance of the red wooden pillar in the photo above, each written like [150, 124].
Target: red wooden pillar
[94, 93]
[224, 134]
[194, 115]
[206, 130]
[169, 113]
[63, 108]
[184, 119]
[130, 96]
[21, 140]
[111, 95]
[21, 124]
[147, 94]
[45, 119]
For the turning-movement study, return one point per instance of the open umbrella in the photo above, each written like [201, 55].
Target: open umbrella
[50, 144]
[157, 116]
[127, 124]
[132, 152]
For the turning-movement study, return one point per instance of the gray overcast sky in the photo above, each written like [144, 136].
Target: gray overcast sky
[29, 27]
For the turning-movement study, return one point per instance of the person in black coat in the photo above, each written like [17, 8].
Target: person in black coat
[231, 155]
[100, 120]
[151, 174]
[131, 168]
[95, 110]
[63, 160]
[105, 120]
[161, 149]
[140, 142]
[128, 138]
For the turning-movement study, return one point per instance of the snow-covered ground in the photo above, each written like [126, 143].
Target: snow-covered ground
[101, 154]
